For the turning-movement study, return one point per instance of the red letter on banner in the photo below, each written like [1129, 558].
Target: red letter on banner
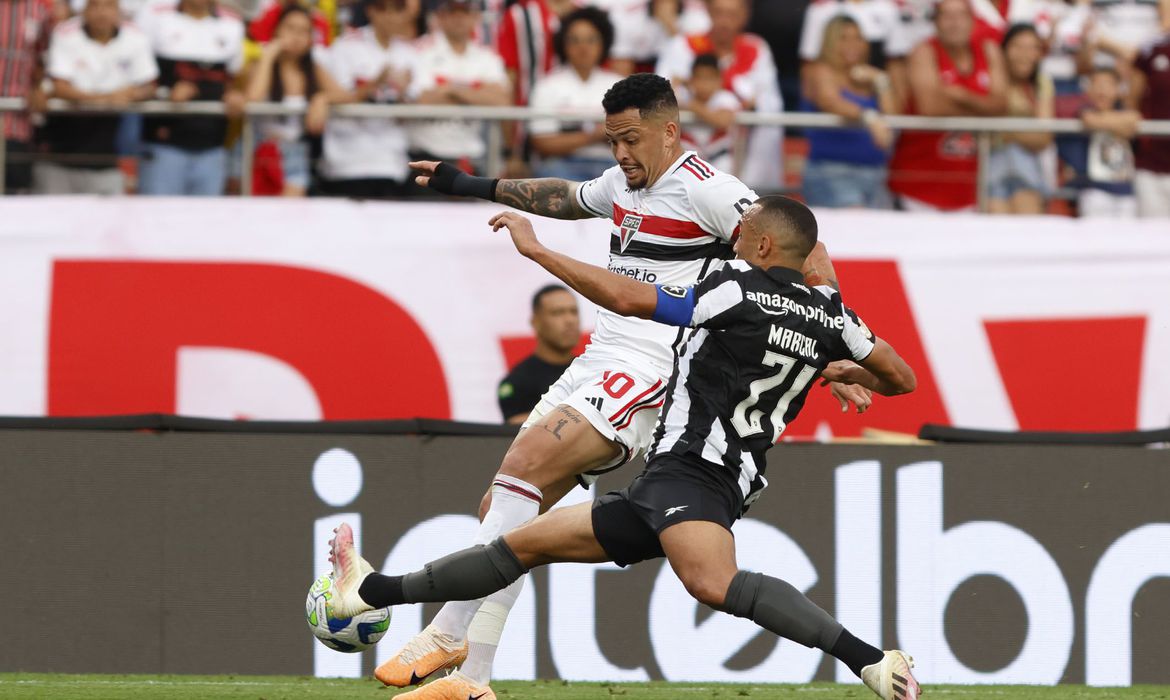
[116, 329]
[874, 290]
[1071, 374]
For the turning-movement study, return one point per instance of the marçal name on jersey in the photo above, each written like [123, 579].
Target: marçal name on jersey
[785, 305]
[793, 341]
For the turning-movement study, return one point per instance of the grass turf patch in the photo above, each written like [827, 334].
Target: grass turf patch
[114, 687]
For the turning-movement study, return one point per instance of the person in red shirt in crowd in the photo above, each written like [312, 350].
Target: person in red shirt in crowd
[524, 39]
[1151, 86]
[953, 74]
[25, 26]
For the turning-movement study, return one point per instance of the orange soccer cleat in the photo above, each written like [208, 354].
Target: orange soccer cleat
[429, 652]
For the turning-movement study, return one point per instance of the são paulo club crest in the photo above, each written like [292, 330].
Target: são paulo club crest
[630, 225]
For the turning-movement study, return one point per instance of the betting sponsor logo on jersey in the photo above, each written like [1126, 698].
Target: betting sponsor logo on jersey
[635, 273]
[630, 225]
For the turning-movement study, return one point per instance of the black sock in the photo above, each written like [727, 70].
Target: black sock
[854, 653]
[381, 591]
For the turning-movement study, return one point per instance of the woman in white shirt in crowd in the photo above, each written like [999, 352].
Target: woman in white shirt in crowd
[575, 148]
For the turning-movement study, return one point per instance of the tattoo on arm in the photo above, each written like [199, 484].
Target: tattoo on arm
[551, 197]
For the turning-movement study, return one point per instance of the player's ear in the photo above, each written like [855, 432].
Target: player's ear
[672, 134]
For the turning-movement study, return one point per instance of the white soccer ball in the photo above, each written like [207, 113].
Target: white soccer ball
[350, 635]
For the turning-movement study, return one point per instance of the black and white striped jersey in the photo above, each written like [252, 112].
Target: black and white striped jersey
[761, 339]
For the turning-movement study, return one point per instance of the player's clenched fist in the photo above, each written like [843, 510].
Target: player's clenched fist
[523, 237]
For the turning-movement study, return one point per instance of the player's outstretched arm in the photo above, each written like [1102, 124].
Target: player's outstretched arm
[618, 293]
[883, 371]
[549, 196]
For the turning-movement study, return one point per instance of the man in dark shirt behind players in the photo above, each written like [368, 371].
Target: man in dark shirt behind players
[558, 329]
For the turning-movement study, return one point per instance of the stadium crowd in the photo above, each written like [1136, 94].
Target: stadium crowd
[1106, 62]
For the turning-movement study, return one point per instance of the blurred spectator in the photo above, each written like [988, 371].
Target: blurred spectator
[558, 330]
[779, 23]
[642, 28]
[524, 40]
[712, 135]
[354, 15]
[748, 71]
[1016, 180]
[1151, 85]
[287, 74]
[918, 22]
[263, 27]
[575, 149]
[454, 69]
[366, 158]
[878, 20]
[26, 38]
[199, 48]
[1103, 161]
[847, 167]
[94, 59]
[1116, 29]
[951, 74]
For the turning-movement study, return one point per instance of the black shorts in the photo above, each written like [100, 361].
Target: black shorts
[672, 489]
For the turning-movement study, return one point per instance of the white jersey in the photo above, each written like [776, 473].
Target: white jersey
[665, 234]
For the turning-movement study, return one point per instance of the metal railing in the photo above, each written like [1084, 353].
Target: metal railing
[984, 128]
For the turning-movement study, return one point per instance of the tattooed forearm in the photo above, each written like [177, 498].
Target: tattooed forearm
[548, 196]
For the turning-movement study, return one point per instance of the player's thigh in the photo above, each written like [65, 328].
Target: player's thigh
[702, 554]
[559, 445]
[561, 535]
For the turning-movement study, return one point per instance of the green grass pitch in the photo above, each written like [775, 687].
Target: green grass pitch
[93, 687]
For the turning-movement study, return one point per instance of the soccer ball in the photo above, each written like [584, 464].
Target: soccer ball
[351, 634]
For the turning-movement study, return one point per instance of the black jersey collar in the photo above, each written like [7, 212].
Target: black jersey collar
[785, 274]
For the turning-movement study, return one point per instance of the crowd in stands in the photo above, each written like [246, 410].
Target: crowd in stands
[1105, 62]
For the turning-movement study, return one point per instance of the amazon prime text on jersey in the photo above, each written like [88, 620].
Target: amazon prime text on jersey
[786, 305]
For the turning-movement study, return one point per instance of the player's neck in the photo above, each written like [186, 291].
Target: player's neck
[551, 355]
[671, 159]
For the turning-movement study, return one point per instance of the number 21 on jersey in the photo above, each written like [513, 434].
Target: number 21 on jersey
[748, 419]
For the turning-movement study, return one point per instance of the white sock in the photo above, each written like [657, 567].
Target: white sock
[483, 636]
[514, 502]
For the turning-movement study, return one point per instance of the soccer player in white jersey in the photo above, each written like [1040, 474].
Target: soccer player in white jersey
[673, 215]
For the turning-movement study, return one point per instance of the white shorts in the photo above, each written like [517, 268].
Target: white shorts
[621, 400]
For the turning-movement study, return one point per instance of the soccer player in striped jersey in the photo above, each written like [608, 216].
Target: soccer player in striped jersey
[761, 338]
[673, 217]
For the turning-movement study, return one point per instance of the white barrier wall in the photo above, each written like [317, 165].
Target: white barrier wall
[333, 309]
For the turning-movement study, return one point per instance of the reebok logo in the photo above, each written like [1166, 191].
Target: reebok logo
[676, 509]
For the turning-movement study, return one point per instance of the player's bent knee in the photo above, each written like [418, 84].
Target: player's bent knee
[521, 463]
[708, 590]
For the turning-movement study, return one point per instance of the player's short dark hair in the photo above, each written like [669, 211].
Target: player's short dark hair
[545, 291]
[592, 15]
[786, 216]
[649, 93]
[705, 60]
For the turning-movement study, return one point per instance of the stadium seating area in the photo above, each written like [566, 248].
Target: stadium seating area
[1106, 63]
